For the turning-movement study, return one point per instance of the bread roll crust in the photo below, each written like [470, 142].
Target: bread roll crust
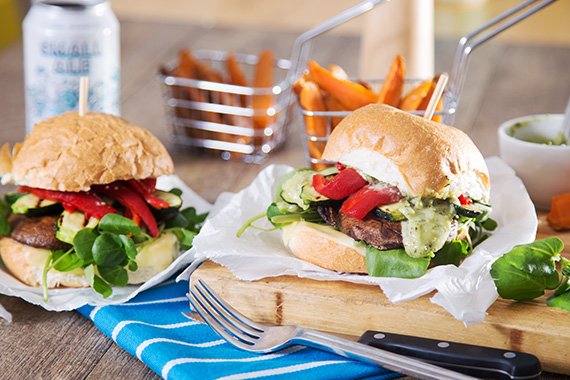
[322, 246]
[71, 152]
[423, 158]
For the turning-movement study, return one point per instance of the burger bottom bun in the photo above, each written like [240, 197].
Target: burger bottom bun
[324, 246]
[27, 263]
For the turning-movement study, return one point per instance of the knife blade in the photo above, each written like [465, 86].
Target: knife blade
[478, 361]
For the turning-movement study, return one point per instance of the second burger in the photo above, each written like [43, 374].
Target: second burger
[405, 194]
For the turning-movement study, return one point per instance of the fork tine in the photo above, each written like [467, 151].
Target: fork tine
[214, 301]
[221, 322]
[236, 314]
[213, 323]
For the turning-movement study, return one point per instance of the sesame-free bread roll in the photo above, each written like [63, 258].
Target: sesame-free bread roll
[71, 152]
[423, 158]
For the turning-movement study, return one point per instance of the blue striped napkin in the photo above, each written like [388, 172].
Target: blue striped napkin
[152, 328]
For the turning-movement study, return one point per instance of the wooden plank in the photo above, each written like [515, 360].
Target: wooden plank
[346, 308]
[119, 364]
[40, 344]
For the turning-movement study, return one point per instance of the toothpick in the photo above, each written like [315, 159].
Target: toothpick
[439, 87]
[83, 94]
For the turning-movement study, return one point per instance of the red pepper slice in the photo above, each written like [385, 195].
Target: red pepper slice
[341, 186]
[131, 200]
[136, 207]
[87, 202]
[150, 184]
[340, 167]
[145, 191]
[359, 204]
[465, 200]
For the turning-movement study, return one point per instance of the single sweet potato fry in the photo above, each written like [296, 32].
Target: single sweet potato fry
[236, 75]
[559, 215]
[311, 100]
[331, 104]
[338, 72]
[263, 78]
[351, 95]
[414, 98]
[391, 91]
[425, 101]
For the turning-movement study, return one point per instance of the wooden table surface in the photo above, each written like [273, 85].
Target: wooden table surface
[504, 81]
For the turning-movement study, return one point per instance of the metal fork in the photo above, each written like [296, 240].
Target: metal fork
[250, 336]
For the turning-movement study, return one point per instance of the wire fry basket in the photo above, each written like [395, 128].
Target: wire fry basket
[314, 141]
[220, 117]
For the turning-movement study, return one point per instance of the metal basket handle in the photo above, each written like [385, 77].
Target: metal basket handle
[474, 39]
[302, 44]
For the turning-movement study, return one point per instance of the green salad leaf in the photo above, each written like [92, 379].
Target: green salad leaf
[114, 275]
[83, 244]
[118, 224]
[452, 252]
[394, 263]
[108, 250]
[526, 271]
[66, 261]
[4, 213]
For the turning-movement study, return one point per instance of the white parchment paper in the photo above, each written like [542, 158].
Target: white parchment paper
[70, 299]
[466, 291]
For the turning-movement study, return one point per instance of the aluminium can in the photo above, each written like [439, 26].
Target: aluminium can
[63, 41]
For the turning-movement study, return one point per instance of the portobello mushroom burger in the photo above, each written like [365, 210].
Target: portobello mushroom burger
[406, 194]
[86, 211]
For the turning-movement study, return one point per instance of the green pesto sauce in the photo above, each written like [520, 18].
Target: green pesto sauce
[515, 132]
[427, 227]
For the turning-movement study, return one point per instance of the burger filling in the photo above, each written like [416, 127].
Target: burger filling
[403, 235]
[105, 231]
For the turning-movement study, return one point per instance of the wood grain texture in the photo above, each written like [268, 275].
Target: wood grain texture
[347, 308]
[41, 344]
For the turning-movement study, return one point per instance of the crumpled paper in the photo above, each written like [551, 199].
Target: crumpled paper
[69, 299]
[466, 292]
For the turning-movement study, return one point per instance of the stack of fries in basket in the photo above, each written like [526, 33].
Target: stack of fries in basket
[320, 89]
[191, 68]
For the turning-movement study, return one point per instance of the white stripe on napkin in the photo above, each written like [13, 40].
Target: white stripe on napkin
[148, 342]
[122, 325]
[280, 371]
[168, 300]
[169, 365]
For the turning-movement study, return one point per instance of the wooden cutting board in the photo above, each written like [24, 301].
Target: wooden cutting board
[351, 309]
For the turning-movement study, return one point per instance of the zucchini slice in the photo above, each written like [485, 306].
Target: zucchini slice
[391, 211]
[174, 201]
[475, 210]
[69, 223]
[31, 205]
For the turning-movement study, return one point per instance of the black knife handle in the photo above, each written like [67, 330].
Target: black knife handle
[482, 362]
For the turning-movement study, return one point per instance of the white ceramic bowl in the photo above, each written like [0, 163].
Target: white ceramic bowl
[544, 169]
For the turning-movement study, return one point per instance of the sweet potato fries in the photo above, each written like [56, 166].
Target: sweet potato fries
[321, 89]
[231, 73]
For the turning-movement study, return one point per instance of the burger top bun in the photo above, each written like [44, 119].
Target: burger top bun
[423, 158]
[71, 152]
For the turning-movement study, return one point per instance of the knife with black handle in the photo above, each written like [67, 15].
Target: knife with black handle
[482, 362]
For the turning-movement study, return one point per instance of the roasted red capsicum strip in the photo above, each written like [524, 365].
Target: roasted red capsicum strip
[87, 202]
[359, 204]
[341, 186]
[131, 200]
[465, 200]
[146, 190]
